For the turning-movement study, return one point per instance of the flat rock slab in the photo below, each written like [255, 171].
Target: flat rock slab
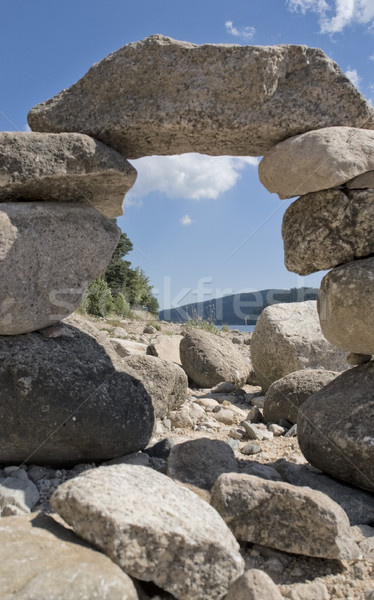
[317, 160]
[41, 559]
[162, 96]
[282, 516]
[285, 396]
[166, 347]
[165, 382]
[66, 167]
[200, 462]
[69, 399]
[288, 338]
[154, 529]
[324, 229]
[357, 503]
[335, 427]
[209, 359]
[49, 253]
[346, 304]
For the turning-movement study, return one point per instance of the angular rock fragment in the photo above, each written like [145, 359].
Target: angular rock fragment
[162, 96]
[336, 425]
[288, 338]
[154, 529]
[346, 305]
[325, 229]
[49, 253]
[317, 160]
[298, 520]
[254, 585]
[66, 167]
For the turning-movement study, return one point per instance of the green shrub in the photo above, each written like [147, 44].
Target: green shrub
[225, 328]
[98, 300]
[120, 305]
[201, 324]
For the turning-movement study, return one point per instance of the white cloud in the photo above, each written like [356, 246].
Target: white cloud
[246, 33]
[192, 176]
[353, 76]
[371, 57]
[186, 220]
[347, 12]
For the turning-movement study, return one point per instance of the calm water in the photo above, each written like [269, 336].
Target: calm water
[245, 328]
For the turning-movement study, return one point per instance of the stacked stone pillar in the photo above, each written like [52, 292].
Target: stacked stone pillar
[331, 226]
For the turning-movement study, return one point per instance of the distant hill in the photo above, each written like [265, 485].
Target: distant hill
[235, 309]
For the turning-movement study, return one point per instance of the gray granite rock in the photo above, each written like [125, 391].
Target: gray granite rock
[166, 347]
[41, 559]
[288, 338]
[162, 96]
[346, 304]
[298, 520]
[154, 529]
[358, 504]
[317, 160]
[17, 496]
[66, 167]
[199, 462]
[335, 427]
[50, 252]
[325, 229]
[209, 359]
[69, 399]
[285, 396]
[254, 585]
[362, 182]
[165, 382]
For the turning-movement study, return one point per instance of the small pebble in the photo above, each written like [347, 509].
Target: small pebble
[291, 432]
[249, 449]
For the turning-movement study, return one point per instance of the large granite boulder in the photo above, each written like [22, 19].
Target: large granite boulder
[165, 382]
[162, 96]
[66, 167]
[288, 338]
[154, 529]
[335, 427]
[49, 254]
[41, 559]
[317, 160]
[282, 516]
[209, 359]
[285, 396]
[346, 305]
[69, 399]
[325, 229]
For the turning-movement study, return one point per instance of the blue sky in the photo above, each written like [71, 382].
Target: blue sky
[201, 226]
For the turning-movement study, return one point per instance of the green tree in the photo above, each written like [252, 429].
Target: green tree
[98, 299]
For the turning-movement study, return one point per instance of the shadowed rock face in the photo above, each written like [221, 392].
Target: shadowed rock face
[69, 399]
[213, 99]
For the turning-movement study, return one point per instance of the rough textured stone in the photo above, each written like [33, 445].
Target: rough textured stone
[325, 229]
[162, 96]
[288, 338]
[70, 167]
[201, 461]
[298, 520]
[346, 305]
[254, 585]
[41, 559]
[285, 396]
[309, 591]
[209, 359]
[317, 160]
[165, 382]
[358, 504]
[49, 253]
[128, 347]
[335, 427]
[17, 496]
[166, 347]
[362, 182]
[69, 399]
[154, 529]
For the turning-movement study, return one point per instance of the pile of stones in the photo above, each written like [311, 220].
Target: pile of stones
[330, 227]
[85, 403]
